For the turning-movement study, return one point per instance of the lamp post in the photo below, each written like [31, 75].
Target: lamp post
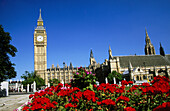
[144, 63]
[64, 72]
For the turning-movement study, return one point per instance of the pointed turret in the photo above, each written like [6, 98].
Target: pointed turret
[92, 60]
[130, 68]
[40, 18]
[130, 65]
[71, 65]
[110, 52]
[91, 54]
[149, 48]
[40, 21]
[147, 39]
[58, 66]
[109, 48]
[146, 31]
[161, 50]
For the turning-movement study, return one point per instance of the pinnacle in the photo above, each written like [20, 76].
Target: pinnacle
[40, 18]
[146, 32]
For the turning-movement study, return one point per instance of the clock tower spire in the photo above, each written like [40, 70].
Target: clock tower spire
[40, 49]
[40, 19]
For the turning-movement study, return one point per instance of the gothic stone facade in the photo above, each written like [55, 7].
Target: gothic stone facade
[138, 67]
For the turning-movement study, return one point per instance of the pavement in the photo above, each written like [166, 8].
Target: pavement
[12, 102]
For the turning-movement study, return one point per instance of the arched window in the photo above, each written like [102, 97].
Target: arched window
[144, 77]
[137, 77]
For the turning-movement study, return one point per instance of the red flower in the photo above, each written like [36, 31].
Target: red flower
[136, 86]
[119, 90]
[30, 96]
[41, 103]
[103, 85]
[130, 82]
[148, 90]
[74, 99]
[110, 88]
[68, 105]
[94, 86]
[145, 84]
[54, 102]
[52, 88]
[42, 93]
[75, 105]
[99, 103]
[100, 88]
[94, 99]
[163, 107]
[76, 89]
[89, 95]
[132, 89]
[108, 102]
[129, 109]
[66, 84]
[124, 98]
[26, 108]
[64, 92]
[50, 93]
[124, 82]
[60, 85]
[79, 95]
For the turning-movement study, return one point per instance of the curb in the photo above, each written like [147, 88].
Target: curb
[20, 108]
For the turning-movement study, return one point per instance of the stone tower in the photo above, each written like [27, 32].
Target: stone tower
[40, 48]
[92, 60]
[149, 48]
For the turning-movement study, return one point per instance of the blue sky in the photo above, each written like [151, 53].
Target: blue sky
[76, 26]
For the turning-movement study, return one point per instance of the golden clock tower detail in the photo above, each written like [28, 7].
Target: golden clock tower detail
[40, 49]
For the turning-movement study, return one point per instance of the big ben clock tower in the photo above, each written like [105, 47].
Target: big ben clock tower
[40, 49]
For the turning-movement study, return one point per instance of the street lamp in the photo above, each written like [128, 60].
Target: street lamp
[144, 63]
[64, 72]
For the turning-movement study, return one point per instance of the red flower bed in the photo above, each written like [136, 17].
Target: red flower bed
[104, 97]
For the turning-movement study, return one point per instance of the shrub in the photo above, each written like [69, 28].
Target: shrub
[83, 79]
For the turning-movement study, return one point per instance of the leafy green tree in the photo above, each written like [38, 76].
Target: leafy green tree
[7, 70]
[31, 77]
[53, 82]
[110, 78]
[115, 74]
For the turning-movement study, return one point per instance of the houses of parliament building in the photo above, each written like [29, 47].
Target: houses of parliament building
[137, 67]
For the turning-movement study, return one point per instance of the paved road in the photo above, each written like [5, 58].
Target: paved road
[13, 102]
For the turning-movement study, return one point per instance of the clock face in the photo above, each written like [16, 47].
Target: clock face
[39, 38]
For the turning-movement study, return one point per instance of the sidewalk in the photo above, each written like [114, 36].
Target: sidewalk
[13, 102]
